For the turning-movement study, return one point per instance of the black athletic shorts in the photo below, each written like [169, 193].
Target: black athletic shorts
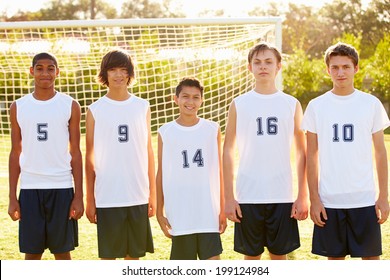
[45, 221]
[355, 232]
[124, 231]
[266, 225]
[192, 246]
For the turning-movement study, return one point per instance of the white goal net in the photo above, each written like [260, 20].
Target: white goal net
[164, 50]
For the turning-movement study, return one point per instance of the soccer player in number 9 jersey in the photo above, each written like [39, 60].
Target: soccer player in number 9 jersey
[342, 126]
[121, 192]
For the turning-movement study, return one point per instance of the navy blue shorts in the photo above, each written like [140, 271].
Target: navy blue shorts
[266, 225]
[45, 221]
[355, 232]
[124, 231]
[192, 246]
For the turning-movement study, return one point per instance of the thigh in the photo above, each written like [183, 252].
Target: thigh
[363, 232]
[209, 245]
[124, 231]
[62, 232]
[139, 237]
[249, 234]
[111, 232]
[331, 240]
[184, 247]
[32, 234]
[282, 234]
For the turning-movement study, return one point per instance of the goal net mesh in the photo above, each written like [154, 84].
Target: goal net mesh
[164, 51]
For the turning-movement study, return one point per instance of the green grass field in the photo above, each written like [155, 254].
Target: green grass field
[87, 250]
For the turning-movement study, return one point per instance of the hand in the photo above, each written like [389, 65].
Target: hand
[151, 208]
[318, 213]
[222, 223]
[382, 210]
[299, 210]
[76, 209]
[91, 213]
[164, 225]
[14, 210]
[233, 211]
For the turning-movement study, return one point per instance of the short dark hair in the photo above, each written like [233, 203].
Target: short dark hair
[263, 46]
[342, 49]
[113, 59]
[44, 55]
[189, 82]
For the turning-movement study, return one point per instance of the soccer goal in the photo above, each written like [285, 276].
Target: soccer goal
[164, 50]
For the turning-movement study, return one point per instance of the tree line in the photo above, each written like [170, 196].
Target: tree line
[307, 32]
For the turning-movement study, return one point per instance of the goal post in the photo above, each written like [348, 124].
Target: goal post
[164, 50]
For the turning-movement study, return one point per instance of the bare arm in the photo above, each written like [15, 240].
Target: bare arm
[14, 167]
[222, 216]
[382, 204]
[90, 168]
[162, 220]
[316, 208]
[77, 206]
[151, 172]
[300, 206]
[232, 208]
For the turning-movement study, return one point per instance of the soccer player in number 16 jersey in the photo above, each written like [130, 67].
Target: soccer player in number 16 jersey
[265, 122]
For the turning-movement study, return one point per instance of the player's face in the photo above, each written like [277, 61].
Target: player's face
[189, 101]
[117, 77]
[342, 71]
[264, 66]
[44, 73]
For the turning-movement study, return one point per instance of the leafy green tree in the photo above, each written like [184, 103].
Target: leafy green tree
[303, 30]
[376, 24]
[148, 9]
[303, 77]
[378, 70]
[68, 10]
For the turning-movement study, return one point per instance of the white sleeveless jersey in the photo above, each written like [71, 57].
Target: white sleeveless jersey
[121, 152]
[344, 126]
[190, 176]
[45, 158]
[264, 133]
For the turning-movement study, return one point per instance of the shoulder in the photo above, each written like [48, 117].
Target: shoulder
[23, 99]
[320, 99]
[140, 100]
[209, 123]
[290, 101]
[288, 97]
[244, 96]
[66, 97]
[96, 102]
[67, 100]
[367, 97]
[165, 127]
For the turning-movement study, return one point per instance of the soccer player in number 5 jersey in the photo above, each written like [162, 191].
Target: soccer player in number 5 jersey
[341, 126]
[45, 153]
